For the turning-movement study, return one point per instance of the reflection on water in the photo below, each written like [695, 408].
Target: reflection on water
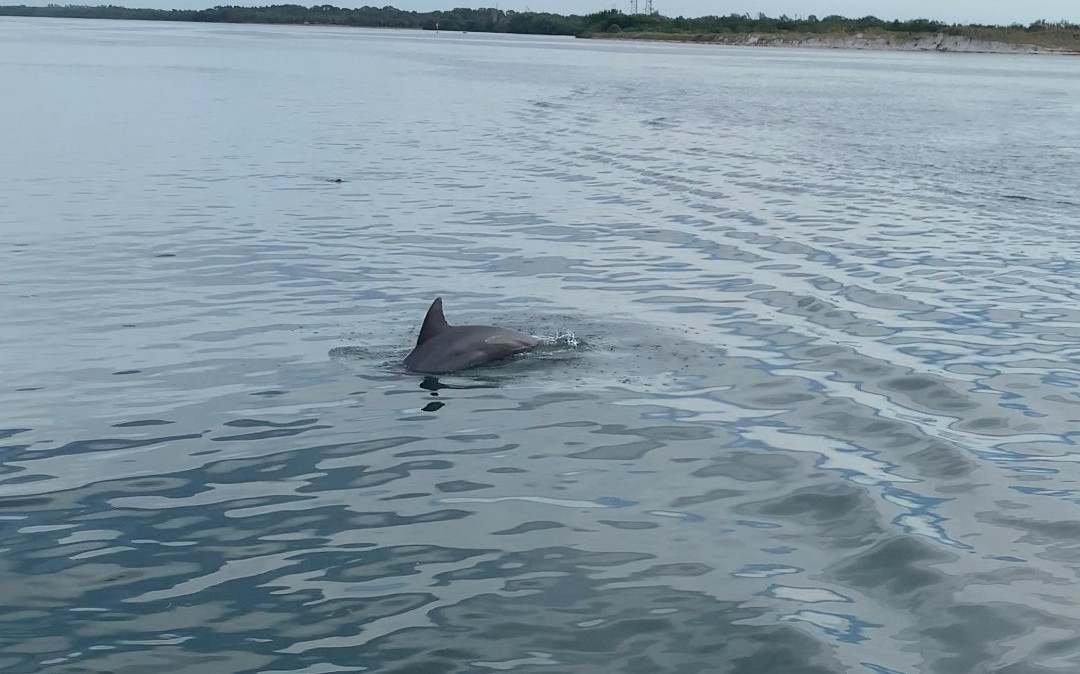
[810, 401]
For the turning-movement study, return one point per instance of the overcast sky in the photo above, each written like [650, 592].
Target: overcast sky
[961, 11]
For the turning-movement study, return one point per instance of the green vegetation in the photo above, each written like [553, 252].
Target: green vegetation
[1061, 35]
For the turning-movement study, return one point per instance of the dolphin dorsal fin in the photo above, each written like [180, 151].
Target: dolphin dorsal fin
[434, 322]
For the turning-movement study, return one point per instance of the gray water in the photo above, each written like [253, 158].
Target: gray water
[820, 411]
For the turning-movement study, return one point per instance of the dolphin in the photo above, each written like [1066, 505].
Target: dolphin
[443, 348]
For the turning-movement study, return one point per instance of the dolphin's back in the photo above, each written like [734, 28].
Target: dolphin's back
[441, 347]
[463, 346]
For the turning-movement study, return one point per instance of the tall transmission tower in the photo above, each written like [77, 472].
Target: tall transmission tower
[633, 6]
[649, 7]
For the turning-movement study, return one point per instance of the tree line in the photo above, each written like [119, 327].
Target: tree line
[500, 21]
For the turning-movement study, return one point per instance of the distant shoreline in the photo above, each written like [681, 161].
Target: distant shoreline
[935, 42]
[830, 32]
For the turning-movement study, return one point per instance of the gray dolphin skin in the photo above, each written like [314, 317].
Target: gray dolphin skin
[443, 348]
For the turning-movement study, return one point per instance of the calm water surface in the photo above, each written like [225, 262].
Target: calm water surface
[822, 413]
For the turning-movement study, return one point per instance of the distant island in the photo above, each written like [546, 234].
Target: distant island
[868, 32]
